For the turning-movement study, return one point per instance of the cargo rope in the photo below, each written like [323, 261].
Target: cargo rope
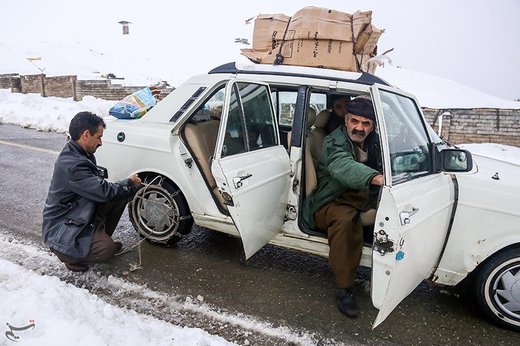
[354, 44]
[279, 57]
[139, 195]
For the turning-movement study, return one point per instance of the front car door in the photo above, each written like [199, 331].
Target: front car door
[415, 205]
[250, 166]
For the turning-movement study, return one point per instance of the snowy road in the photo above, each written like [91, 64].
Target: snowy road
[276, 297]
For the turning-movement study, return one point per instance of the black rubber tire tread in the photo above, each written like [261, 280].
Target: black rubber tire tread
[483, 283]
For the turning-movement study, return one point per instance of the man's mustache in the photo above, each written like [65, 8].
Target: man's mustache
[356, 132]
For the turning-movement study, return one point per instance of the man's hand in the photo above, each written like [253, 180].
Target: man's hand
[136, 181]
[378, 180]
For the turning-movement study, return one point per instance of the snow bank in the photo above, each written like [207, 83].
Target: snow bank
[46, 113]
[63, 314]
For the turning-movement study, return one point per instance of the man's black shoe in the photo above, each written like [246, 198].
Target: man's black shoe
[346, 301]
[76, 267]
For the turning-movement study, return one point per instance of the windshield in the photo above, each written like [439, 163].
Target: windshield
[407, 136]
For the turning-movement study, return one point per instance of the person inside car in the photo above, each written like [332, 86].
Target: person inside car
[82, 208]
[349, 178]
[338, 109]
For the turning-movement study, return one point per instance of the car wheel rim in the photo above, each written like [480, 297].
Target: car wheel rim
[157, 213]
[505, 291]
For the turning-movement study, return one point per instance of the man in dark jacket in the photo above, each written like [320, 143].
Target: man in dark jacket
[349, 176]
[82, 209]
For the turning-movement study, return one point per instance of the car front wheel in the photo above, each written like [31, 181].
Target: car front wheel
[498, 288]
[159, 212]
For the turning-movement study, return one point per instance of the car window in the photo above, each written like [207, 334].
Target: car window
[285, 102]
[211, 109]
[251, 123]
[407, 138]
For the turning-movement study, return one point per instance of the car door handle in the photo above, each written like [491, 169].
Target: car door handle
[405, 216]
[237, 181]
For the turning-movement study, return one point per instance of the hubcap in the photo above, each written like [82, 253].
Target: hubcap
[157, 213]
[506, 291]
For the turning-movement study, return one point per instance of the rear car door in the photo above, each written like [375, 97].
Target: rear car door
[250, 166]
[415, 206]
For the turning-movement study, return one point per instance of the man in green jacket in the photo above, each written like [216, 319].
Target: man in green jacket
[349, 178]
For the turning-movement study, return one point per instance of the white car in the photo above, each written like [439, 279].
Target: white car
[235, 150]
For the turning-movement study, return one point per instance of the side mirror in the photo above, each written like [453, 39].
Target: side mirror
[455, 160]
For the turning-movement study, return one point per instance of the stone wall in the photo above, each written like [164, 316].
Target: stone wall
[10, 81]
[33, 84]
[482, 125]
[103, 89]
[60, 86]
[69, 86]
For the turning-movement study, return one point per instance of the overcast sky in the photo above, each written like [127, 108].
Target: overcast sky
[474, 42]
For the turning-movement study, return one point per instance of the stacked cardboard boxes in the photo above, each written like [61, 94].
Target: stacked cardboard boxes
[315, 37]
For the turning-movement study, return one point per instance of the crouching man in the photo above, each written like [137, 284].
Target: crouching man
[82, 209]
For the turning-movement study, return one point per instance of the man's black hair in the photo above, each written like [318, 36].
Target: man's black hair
[334, 97]
[85, 121]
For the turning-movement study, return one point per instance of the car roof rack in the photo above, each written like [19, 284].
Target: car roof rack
[299, 71]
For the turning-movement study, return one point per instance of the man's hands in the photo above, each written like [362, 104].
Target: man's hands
[378, 180]
[136, 181]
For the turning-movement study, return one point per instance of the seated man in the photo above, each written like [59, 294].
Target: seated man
[348, 183]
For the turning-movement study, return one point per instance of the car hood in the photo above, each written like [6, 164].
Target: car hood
[492, 185]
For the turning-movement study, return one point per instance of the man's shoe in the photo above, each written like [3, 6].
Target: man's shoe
[346, 301]
[76, 267]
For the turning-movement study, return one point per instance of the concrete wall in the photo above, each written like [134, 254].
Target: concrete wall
[482, 125]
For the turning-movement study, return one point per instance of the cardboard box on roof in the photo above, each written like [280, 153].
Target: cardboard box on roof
[314, 53]
[269, 29]
[360, 21]
[367, 40]
[315, 37]
[321, 23]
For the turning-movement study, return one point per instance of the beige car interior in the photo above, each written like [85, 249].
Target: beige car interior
[202, 140]
[316, 132]
[202, 137]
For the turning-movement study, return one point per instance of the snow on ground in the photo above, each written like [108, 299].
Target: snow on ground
[63, 314]
[46, 113]
[35, 286]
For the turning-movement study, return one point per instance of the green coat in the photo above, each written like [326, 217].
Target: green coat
[338, 171]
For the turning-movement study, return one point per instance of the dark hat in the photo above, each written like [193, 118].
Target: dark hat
[363, 107]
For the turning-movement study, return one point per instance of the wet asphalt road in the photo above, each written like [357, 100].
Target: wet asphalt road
[276, 285]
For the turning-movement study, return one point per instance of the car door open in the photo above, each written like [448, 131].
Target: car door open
[250, 166]
[415, 206]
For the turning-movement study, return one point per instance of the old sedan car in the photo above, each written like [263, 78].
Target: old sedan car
[235, 150]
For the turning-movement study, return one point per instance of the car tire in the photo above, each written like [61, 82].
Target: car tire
[497, 288]
[159, 212]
